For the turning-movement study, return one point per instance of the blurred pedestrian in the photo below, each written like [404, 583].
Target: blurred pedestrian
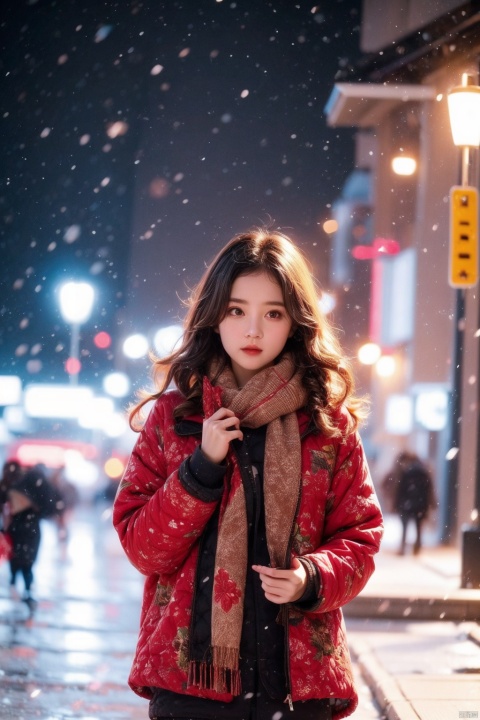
[31, 498]
[248, 503]
[410, 487]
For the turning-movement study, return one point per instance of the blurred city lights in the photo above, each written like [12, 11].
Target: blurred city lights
[4, 432]
[96, 413]
[386, 366]
[116, 384]
[399, 414]
[114, 468]
[135, 346]
[330, 226]
[431, 409]
[52, 453]
[404, 165]
[15, 418]
[327, 302]
[56, 401]
[166, 338]
[80, 471]
[117, 426]
[10, 390]
[369, 353]
[76, 301]
[73, 366]
[102, 340]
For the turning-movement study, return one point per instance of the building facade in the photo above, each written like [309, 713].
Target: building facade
[414, 54]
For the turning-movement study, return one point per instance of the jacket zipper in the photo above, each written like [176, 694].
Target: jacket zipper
[288, 678]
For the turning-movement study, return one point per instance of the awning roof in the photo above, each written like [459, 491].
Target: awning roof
[365, 104]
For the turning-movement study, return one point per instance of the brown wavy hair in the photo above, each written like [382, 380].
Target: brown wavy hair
[325, 371]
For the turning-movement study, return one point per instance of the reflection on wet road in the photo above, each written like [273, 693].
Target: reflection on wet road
[72, 657]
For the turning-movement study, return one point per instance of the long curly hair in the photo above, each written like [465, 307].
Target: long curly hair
[325, 371]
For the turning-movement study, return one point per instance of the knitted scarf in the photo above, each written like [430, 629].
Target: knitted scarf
[270, 398]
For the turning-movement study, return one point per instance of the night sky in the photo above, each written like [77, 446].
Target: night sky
[139, 137]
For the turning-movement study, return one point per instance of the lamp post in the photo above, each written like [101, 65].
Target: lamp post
[76, 303]
[464, 111]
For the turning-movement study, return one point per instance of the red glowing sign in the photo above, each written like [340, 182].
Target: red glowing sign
[380, 247]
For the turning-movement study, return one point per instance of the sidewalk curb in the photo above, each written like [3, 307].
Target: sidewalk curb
[385, 689]
[460, 605]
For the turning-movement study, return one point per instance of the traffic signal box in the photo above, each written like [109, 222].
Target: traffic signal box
[463, 255]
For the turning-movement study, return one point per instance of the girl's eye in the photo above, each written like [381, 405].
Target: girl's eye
[235, 311]
[274, 314]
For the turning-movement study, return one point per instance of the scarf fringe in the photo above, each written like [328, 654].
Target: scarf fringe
[222, 675]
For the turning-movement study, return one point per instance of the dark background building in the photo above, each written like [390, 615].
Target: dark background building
[137, 138]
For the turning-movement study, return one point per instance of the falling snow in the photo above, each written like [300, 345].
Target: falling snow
[166, 132]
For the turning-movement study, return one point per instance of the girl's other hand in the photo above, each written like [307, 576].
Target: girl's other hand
[283, 586]
[218, 430]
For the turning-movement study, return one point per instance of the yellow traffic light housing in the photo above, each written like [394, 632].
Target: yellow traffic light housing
[463, 254]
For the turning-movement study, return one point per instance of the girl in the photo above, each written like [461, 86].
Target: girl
[247, 502]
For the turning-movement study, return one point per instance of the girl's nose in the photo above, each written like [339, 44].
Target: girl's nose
[254, 330]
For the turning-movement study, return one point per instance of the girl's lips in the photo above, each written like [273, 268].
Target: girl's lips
[251, 350]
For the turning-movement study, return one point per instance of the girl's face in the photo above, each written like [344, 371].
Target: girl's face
[256, 325]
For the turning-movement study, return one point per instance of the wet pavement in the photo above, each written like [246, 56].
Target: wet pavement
[70, 660]
[72, 657]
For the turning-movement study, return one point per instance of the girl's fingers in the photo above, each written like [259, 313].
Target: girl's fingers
[282, 585]
[221, 413]
[217, 433]
[271, 572]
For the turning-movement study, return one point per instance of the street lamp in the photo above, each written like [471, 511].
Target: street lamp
[76, 303]
[464, 111]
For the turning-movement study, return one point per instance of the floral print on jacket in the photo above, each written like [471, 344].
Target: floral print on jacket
[338, 527]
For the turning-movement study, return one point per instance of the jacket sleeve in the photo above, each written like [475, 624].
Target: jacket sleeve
[352, 532]
[158, 521]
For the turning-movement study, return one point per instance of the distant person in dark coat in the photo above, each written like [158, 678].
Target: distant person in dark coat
[31, 498]
[410, 488]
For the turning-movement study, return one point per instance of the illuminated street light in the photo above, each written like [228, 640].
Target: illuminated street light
[386, 366]
[76, 304]
[464, 111]
[404, 165]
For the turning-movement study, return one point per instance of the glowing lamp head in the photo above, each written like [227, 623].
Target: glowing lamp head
[76, 301]
[464, 111]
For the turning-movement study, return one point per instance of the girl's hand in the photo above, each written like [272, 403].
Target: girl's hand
[222, 427]
[283, 586]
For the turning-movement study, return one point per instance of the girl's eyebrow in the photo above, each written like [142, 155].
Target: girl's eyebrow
[245, 302]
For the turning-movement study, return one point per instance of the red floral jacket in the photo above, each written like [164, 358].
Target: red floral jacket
[338, 527]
